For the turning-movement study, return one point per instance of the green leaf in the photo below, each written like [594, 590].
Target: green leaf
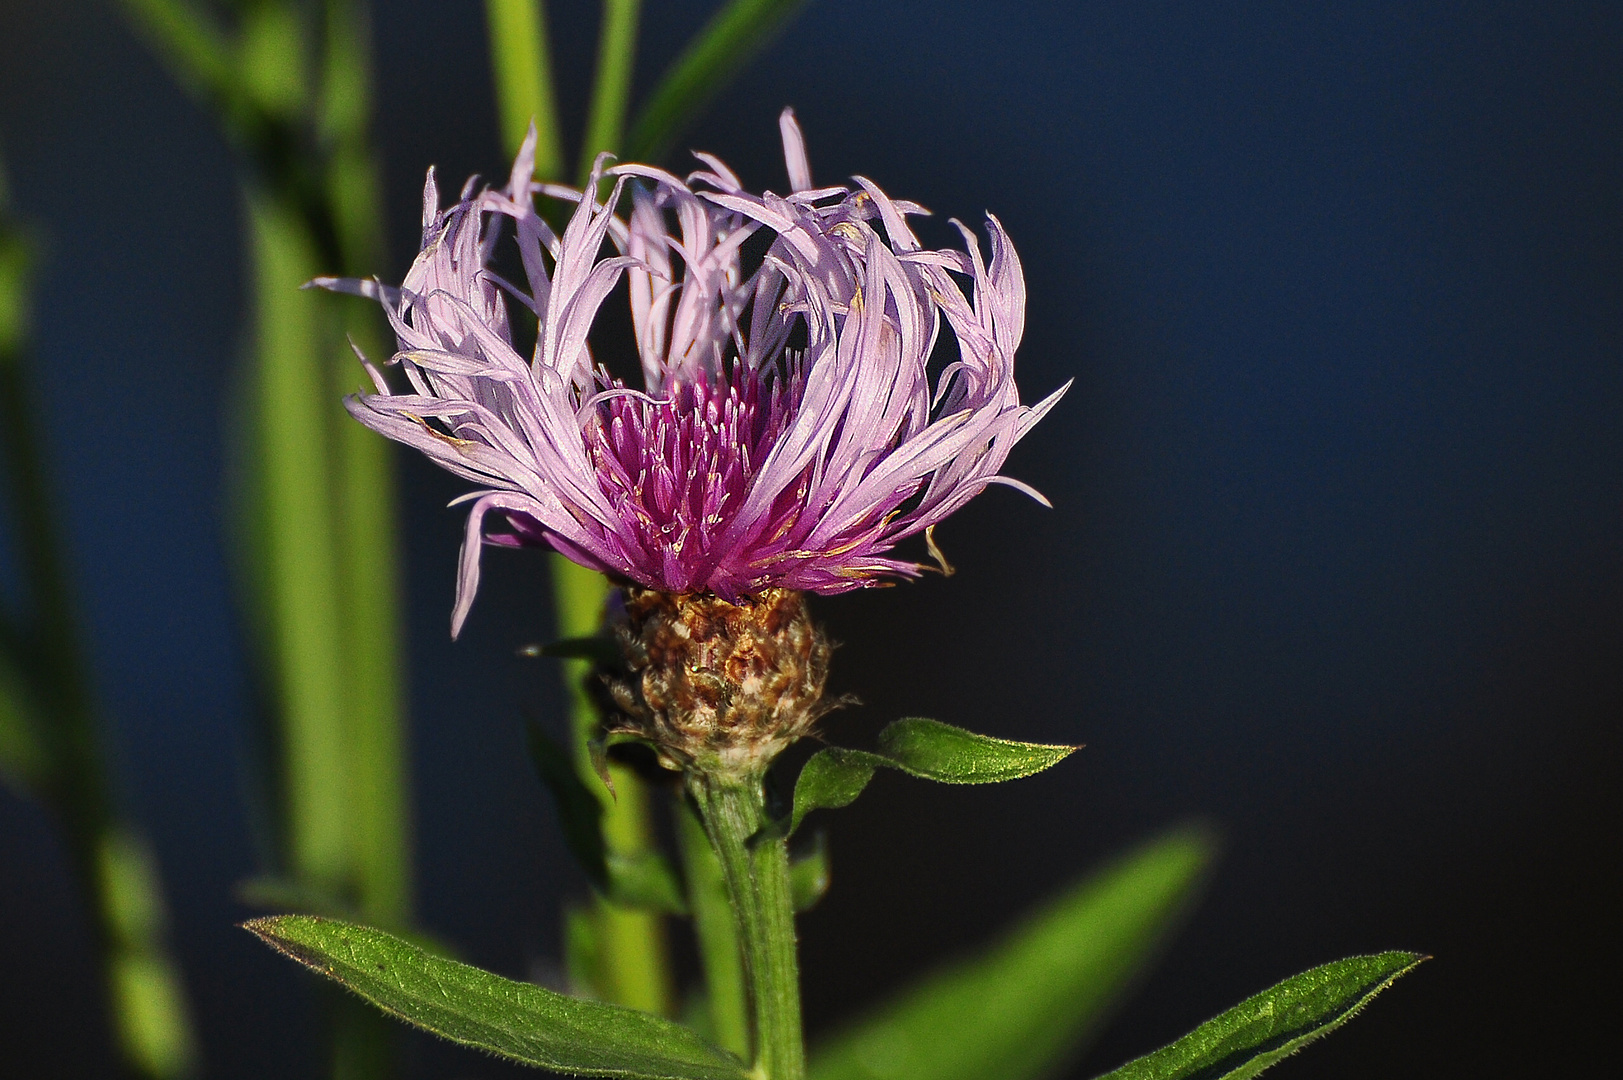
[515, 1020]
[1020, 1008]
[936, 751]
[713, 57]
[1265, 1029]
[832, 778]
[928, 749]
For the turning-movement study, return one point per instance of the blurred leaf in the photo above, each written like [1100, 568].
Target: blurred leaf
[149, 1012]
[195, 49]
[516, 1020]
[809, 874]
[715, 55]
[1017, 1010]
[644, 879]
[580, 812]
[928, 749]
[600, 650]
[23, 760]
[1265, 1029]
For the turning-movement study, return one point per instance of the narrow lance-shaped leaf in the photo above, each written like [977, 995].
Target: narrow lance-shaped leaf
[579, 811]
[1019, 1009]
[716, 54]
[476, 1008]
[1265, 1029]
[928, 749]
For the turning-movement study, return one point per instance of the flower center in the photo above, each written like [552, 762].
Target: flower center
[676, 469]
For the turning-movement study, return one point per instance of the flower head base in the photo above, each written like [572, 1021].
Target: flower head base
[787, 434]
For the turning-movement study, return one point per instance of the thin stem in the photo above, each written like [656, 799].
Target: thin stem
[521, 60]
[756, 869]
[611, 90]
[717, 933]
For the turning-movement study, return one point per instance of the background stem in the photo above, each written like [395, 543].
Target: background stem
[632, 956]
[521, 60]
[611, 89]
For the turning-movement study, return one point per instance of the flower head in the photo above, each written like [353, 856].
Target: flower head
[787, 434]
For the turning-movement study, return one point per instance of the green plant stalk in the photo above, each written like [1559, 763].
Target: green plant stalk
[611, 89]
[368, 538]
[755, 866]
[717, 932]
[300, 573]
[521, 60]
[56, 732]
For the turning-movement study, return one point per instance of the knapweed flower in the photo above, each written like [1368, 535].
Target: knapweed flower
[788, 432]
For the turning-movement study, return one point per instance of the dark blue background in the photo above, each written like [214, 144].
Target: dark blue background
[1334, 558]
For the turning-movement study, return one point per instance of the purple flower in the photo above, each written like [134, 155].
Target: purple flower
[787, 433]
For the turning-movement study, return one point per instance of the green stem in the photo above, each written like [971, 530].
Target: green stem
[611, 90]
[365, 494]
[521, 60]
[756, 869]
[717, 933]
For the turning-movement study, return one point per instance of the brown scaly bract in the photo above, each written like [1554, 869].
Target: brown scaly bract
[720, 686]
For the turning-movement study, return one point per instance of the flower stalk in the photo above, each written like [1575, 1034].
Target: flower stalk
[755, 866]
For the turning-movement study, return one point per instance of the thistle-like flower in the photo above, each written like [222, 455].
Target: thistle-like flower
[787, 433]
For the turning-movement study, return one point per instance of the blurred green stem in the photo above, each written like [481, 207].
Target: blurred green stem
[631, 957]
[611, 90]
[292, 90]
[521, 60]
[368, 538]
[51, 734]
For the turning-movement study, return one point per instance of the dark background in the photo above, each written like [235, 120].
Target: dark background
[1333, 563]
